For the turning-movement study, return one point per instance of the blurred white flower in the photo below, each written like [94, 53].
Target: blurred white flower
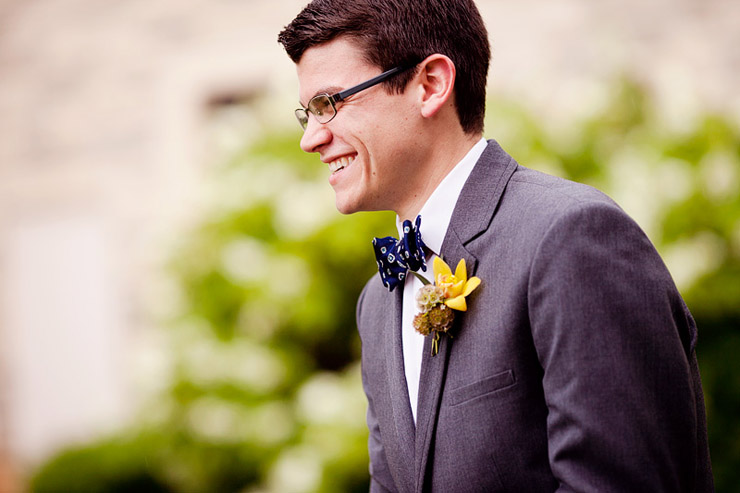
[289, 276]
[330, 399]
[254, 366]
[152, 363]
[687, 260]
[259, 319]
[720, 175]
[245, 260]
[634, 188]
[218, 421]
[674, 179]
[321, 400]
[241, 187]
[297, 470]
[271, 423]
[302, 208]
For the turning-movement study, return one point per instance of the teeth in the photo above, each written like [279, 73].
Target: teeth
[340, 163]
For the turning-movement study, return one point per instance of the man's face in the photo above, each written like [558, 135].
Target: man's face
[369, 146]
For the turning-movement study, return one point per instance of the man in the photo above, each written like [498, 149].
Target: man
[573, 367]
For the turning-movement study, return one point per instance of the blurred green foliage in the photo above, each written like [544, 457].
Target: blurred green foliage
[264, 392]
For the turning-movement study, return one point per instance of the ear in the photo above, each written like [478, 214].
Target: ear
[436, 83]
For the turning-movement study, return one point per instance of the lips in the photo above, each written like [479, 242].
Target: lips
[341, 163]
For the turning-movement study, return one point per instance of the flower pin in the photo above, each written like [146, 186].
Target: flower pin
[438, 302]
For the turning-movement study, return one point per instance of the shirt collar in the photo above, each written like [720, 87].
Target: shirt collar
[437, 210]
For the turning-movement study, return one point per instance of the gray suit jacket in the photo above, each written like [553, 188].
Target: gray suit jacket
[572, 370]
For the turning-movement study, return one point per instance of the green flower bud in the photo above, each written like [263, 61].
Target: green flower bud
[441, 317]
[428, 297]
[421, 323]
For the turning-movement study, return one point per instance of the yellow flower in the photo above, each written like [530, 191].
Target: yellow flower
[455, 286]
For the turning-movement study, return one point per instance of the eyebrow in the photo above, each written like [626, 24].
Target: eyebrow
[331, 90]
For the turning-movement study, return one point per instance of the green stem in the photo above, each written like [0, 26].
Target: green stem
[435, 343]
[423, 279]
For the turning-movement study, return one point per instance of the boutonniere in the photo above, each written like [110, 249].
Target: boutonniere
[438, 302]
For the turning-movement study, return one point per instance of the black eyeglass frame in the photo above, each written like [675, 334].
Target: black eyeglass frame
[302, 113]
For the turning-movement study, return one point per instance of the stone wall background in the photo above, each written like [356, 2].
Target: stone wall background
[106, 137]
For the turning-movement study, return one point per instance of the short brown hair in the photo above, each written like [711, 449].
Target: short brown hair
[404, 32]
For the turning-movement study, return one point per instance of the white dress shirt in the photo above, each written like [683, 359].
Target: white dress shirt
[435, 218]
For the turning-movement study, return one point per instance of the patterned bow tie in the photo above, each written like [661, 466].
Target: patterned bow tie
[395, 257]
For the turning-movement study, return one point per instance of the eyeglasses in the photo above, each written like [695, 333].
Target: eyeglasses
[323, 106]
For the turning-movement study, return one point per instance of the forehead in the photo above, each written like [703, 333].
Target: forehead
[331, 67]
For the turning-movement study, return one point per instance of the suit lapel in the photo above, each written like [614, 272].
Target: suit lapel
[480, 196]
[472, 215]
[399, 392]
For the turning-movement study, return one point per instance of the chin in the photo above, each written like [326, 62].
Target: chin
[346, 208]
[349, 203]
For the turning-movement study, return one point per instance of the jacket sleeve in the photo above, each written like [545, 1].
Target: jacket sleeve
[379, 472]
[616, 344]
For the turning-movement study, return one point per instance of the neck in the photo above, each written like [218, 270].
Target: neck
[443, 155]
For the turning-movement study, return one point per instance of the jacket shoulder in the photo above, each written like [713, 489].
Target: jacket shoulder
[535, 202]
[555, 190]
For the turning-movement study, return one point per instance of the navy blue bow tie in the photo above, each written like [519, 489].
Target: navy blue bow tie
[395, 257]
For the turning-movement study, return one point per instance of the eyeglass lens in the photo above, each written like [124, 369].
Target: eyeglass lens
[302, 116]
[320, 107]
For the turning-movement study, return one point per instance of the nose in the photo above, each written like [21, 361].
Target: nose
[315, 136]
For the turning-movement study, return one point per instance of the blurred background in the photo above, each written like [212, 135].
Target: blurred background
[177, 290]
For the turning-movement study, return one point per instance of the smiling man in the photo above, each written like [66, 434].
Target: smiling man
[374, 164]
[572, 364]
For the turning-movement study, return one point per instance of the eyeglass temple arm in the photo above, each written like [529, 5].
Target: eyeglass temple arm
[340, 96]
